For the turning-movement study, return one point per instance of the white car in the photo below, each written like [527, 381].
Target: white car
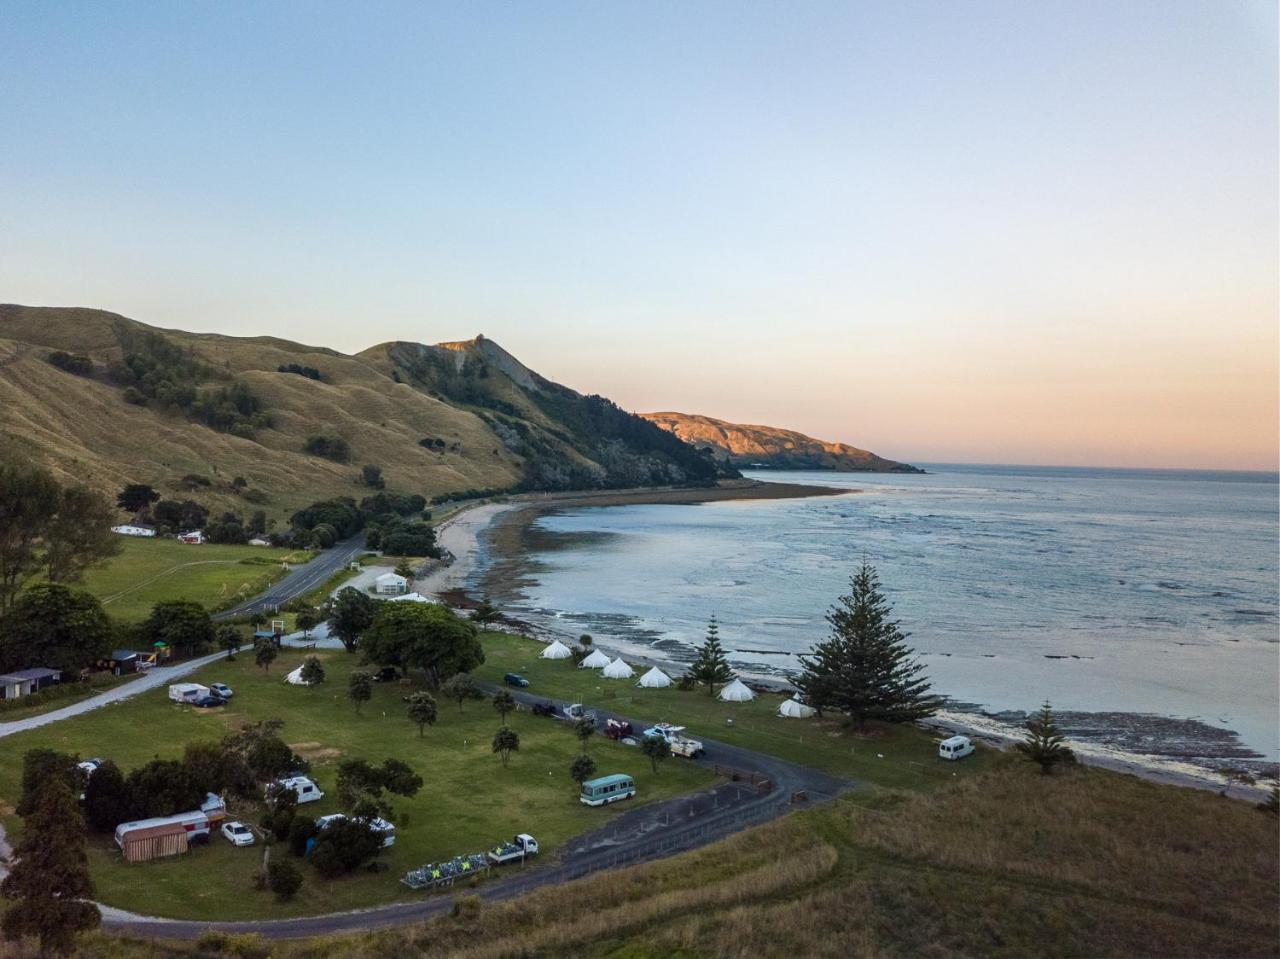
[237, 833]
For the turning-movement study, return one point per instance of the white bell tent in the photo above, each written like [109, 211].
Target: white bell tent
[597, 660]
[617, 670]
[737, 692]
[654, 679]
[794, 709]
[556, 650]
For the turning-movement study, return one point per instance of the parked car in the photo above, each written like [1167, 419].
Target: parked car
[545, 709]
[515, 679]
[221, 689]
[208, 702]
[237, 833]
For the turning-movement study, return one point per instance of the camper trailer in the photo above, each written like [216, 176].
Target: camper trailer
[304, 788]
[957, 747]
[187, 692]
[146, 839]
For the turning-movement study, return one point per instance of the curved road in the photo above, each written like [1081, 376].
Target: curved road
[649, 832]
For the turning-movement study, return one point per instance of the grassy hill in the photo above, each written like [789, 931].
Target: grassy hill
[140, 404]
[743, 446]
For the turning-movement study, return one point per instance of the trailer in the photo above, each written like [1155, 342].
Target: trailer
[145, 839]
[617, 729]
[519, 848]
[681, 745]
[187, 692]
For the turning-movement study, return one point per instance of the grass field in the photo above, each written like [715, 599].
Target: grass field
[469, 801]
[899, 757]
[150, 570]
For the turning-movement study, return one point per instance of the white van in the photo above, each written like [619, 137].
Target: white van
[306, 790]
[957, 747]
[187, 692]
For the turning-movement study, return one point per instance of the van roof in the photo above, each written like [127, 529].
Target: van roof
[608, 780]
[956, 741]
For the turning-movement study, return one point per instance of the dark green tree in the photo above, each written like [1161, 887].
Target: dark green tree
[865, 669]
[163, 787]
[217, 769]
[584, 729]
[504, 703]
[136, 497]
[307, 619]
[78, 535]
[582, 768]
[107, 800]
[426, 636]
[40, 765]
[371, 475]
[485, 612]
[460, 688]
[264, 654]
[229, 639]
[350, 614]
[656, 749]
[312, 672]
[362, 786]
[1271, 804]
[344, 846]
[505, 742]
[1044, 745]
[360, 688]
[284, 879]
[49, 891]
[184, 625]
[422, 710]
[56, 626]
[711, 668]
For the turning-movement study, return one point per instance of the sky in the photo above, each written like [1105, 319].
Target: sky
[977, 232]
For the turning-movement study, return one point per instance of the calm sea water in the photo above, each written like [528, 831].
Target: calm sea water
[1106, 591]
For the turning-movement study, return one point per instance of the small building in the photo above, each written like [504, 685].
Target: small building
[134, 529]
[24, 682]
[192, 538]
[145, 843]
[391, 584]
[122, 661]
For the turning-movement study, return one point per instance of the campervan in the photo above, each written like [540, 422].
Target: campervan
[957, 747]
[187, 692]
[304, 788]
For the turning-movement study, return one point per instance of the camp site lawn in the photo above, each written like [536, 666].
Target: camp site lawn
[468, 803]
[899, 757]
[150, 570]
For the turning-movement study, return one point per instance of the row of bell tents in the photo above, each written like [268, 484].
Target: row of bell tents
[734, 692]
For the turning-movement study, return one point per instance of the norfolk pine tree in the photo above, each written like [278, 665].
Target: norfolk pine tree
[1045, 745]
[711, 668]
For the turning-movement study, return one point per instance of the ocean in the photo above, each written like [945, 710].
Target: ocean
[1143, 604]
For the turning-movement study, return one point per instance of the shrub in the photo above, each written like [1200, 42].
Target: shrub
[284, 879]
[330, 447]
[76, 363]
[343, 847]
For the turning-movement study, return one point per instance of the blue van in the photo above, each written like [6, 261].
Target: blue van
[607, 789]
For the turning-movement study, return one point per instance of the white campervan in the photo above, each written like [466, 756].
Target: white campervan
[957, 747]
[187, 692]
[304, 788]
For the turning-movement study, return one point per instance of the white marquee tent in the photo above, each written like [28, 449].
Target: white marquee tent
[654, 679]
[411, 598]
[618, 670]
[597, 660]
[737, 692]
[794, 709]
[556, 650]
[295, 678]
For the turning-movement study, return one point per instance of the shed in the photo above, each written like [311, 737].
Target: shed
[123, 661]
[152, 842]
[391, 584]
[22, 682]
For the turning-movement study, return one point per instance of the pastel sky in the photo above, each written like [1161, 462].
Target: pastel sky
[987, 232]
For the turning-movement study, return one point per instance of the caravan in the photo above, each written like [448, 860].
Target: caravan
[957, 747]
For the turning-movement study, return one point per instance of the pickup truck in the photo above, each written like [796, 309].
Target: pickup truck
[680, 744]
[520, 847]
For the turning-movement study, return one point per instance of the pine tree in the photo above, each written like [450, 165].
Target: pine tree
[49, 886]
[1044, 744]
[711, 668]
[865, 669]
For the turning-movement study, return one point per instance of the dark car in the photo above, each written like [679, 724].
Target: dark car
[545, 709]
[515, 679]
[208, 702]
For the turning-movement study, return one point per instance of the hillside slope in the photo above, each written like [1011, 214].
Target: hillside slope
[139, 404]
[746, 446]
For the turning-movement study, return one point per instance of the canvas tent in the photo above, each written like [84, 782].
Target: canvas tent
[556, 650]
[597, 660]
[411, 598]
[794, 709]
[295, 678]
[618, 670]
[737, 692]
[654, 679]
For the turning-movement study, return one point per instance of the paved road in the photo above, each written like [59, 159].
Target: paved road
[647, 832]
[299, 580]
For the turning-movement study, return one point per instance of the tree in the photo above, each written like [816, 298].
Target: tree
[505, 742]
[656, 749]
[584, 729]
[504, 703]
[257, 619]
[217, 769]
[307, 619]
[361, 785]
[460, 688]
[350, 614]
[183, 625]
[426, 636]
[264, 654]
[164, 787]
[49, 889]
[865, 669]
[360, 688]
[40, 765]
[422, 710]
[284, 879]
[228, 638]
[136, 497]
[56, 626]
[344, 846]
[371, 475]
[404, 568]
[312, 672]
[485, 612]
[586, 640]
[711, 668]
[582, 768]
[266, 754]
[1044, 745]
[1271, 804]
[107, 800]
[38, 520]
